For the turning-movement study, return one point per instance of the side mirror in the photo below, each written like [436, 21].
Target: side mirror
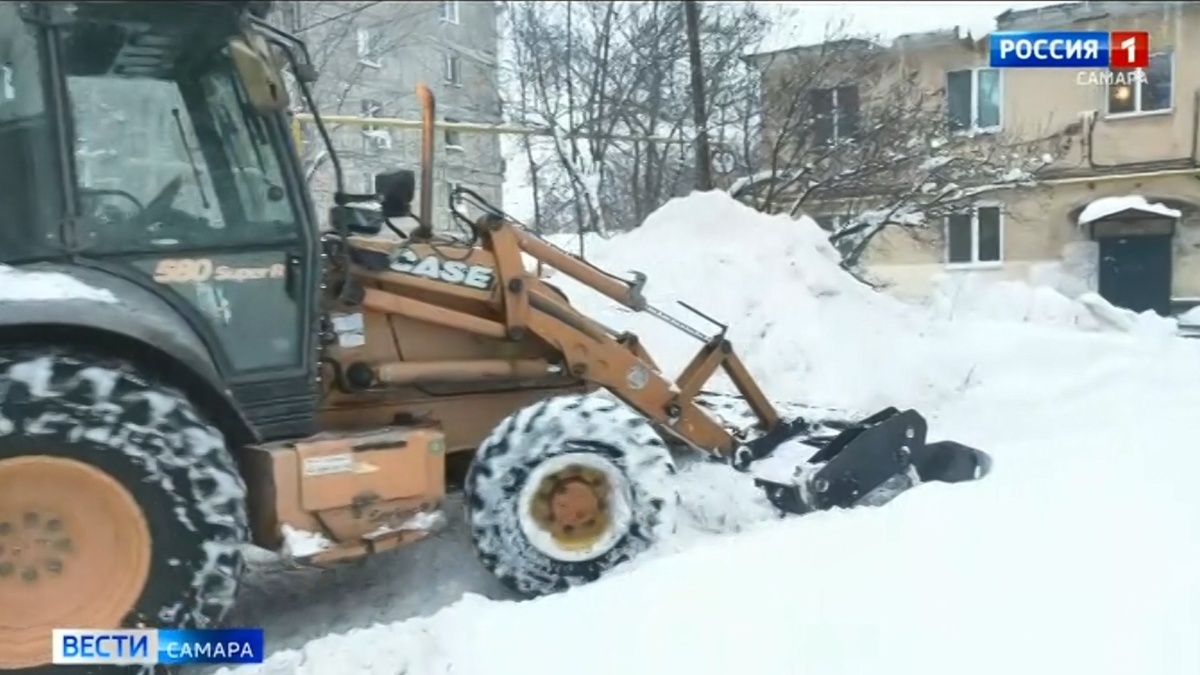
[396, 190]
[356, 220]
[260, 77]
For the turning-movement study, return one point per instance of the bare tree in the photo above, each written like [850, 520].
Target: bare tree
[691, 14]
[852, 127]
[595, 70]
[364, 53]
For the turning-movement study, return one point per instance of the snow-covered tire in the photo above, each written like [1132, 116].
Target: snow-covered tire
[104, 420]
[588, 430]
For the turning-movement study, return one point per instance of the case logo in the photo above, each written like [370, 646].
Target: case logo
[451, 271]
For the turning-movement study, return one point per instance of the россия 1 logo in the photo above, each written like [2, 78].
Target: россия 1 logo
[1069, 49]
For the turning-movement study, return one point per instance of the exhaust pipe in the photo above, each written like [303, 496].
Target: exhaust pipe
[425, 96]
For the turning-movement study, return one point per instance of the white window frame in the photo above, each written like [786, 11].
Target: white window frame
[448, 11]
[450, 187]
[369, 137]
[1137, 93]
[457, 136]
[452, 64]
[974, 127]
[974, 263]
[370, 110]
[366, 51]
[834, 136]
[377, 140]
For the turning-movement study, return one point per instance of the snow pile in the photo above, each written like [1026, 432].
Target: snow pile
[18, 285]
[1190, 317]
[1074, 273]
[810, 330]
[1078, 554]
[777, 283]
[963, 296]
[1107, 206]
[300, 544]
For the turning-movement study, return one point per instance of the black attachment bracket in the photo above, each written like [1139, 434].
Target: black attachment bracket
[864, 457]
[853, 464]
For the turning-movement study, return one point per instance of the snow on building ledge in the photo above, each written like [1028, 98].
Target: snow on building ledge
[1109, 206]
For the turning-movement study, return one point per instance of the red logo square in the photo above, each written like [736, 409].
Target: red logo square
[1129, 49]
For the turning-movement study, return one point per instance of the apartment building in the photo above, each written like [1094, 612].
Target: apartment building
[1123, 135]
[370, 57]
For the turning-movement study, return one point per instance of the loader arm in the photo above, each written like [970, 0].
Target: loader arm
[522, 305]
[671, 404]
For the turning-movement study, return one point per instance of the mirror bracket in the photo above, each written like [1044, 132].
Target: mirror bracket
[260, 77]
[356, 220]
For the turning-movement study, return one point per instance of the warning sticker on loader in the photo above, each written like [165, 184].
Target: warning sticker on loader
[440, 269]
[329, 464]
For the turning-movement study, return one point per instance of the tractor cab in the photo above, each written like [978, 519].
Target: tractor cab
[149, 142]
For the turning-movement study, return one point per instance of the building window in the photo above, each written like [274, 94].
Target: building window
[973, 99]
[1142, 90]
[368, 48]
[835, 114]
[455, 200]
[453, 67]
[289, 15]
[975, 237]
[449, 10]
[370, 108]
[453, 138]
[375, 137]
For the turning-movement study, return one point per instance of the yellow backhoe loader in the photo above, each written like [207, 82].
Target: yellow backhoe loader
[190, 364]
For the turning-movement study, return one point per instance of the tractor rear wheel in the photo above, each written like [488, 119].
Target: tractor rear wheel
[120, 506]
[566, 489]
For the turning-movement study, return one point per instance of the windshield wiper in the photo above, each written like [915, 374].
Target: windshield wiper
[191, 159]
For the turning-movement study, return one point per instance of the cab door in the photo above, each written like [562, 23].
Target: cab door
[184, 183]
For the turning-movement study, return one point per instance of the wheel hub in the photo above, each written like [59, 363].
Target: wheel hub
[74, 553]
[34, 547]
[572, 506]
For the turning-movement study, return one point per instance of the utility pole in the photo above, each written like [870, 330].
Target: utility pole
[704, 181]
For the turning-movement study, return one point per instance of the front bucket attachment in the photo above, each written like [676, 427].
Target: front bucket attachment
[868, 463]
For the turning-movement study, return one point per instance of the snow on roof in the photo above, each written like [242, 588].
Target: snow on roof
[22, 285]
[1107, 206]
[811, 22]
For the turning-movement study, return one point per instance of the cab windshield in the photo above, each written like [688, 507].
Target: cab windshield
[168, 152]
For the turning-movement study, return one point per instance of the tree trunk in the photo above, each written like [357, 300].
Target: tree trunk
[704, 179]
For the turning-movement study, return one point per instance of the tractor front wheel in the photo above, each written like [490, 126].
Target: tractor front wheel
[120, 506]
[566, 489]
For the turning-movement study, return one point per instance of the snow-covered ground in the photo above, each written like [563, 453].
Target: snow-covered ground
[1080, 553]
